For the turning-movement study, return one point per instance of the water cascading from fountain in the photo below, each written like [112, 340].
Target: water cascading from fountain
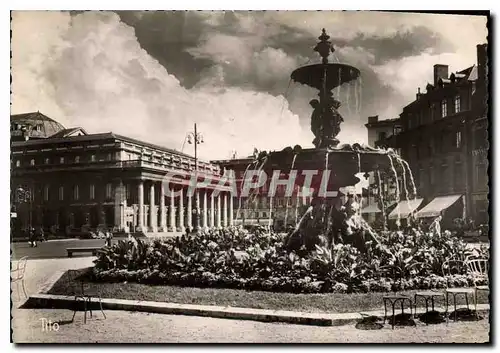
[359, 172]
[270, 221]
[414, 187]
[347, 98]
[253, 194]
[288, 197]
[410, 207]
[398, 222]
[338, 87]
[381, 198]
[297, 205]
[241, 189]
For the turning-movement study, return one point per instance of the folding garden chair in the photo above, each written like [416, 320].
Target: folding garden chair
[429, 295]
[479, 270]
[78, 289]
[17, 274]
[455, 267]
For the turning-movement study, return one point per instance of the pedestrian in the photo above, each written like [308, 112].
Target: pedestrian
[109, 237]
[31, 237]
[34, 237]
[435, 227]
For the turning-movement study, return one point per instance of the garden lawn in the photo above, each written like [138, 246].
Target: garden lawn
[330, 302]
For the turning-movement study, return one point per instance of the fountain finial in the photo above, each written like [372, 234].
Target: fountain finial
[324, 46]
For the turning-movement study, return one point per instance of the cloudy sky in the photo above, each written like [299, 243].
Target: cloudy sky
[151, 75]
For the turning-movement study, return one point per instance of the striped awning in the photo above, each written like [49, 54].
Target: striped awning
[437, 205]
[405, 208]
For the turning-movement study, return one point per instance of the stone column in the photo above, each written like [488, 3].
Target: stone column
[152, 209]
[120, 203]
[224, 211]
[212, 210]
[218, 212]
[189, 212]
[197, 220]
[231, 210]
[140, 192]
[181, 227]
[172, 227]
[205, 205]
[163, 219]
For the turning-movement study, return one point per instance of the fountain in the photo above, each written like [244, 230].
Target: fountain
[326, 220]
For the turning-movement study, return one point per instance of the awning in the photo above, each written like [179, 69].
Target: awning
[434, 208]
[373, 208]
[404, 208]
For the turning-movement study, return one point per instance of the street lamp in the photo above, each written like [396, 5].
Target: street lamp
[24, 196]
[196, 138]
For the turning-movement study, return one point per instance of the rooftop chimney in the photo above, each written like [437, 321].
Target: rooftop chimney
[440, 72]
[482, 61]
[419, 94]
[372, 119]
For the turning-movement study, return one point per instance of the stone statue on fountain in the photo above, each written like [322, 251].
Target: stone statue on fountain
[325, 122]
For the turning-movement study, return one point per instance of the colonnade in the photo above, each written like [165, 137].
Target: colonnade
[178, 210]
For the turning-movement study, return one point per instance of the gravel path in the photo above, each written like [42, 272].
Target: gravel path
[122, 327]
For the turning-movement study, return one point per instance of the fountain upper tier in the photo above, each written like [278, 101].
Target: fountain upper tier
[327, 76]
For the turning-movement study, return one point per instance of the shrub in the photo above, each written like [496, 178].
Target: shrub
[238, 258]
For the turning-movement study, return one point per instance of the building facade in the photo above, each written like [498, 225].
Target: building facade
[444, 139]
[75, 182]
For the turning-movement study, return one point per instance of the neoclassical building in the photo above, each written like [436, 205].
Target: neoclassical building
[66, 180]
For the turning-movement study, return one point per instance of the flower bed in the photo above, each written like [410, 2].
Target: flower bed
[235, 258]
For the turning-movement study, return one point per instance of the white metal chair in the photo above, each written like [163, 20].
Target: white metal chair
[479, 269]
[17, 274]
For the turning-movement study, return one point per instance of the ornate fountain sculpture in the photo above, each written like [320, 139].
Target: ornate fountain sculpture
[326, 220]
[325, 119]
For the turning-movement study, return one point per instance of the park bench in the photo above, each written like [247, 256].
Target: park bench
[91, 249]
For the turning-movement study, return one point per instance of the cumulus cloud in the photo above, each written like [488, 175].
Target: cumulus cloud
[100, 78]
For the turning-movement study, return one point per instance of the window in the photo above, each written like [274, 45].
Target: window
[77, 159]
[18, 163]
[61, 193]
[92, 158]
[264, 214]
[444, 108]
[92, 191]
[481, 176]
[47, 160]
[61, 160]
[458, 139]
[382, 135]
[76, 192]
[108, 190]
[108, 157]
[457, 104]
[38, 128]
[32, 162]
[46, 193]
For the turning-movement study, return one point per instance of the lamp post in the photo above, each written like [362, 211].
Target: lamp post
[23, 195]
[196, 138]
